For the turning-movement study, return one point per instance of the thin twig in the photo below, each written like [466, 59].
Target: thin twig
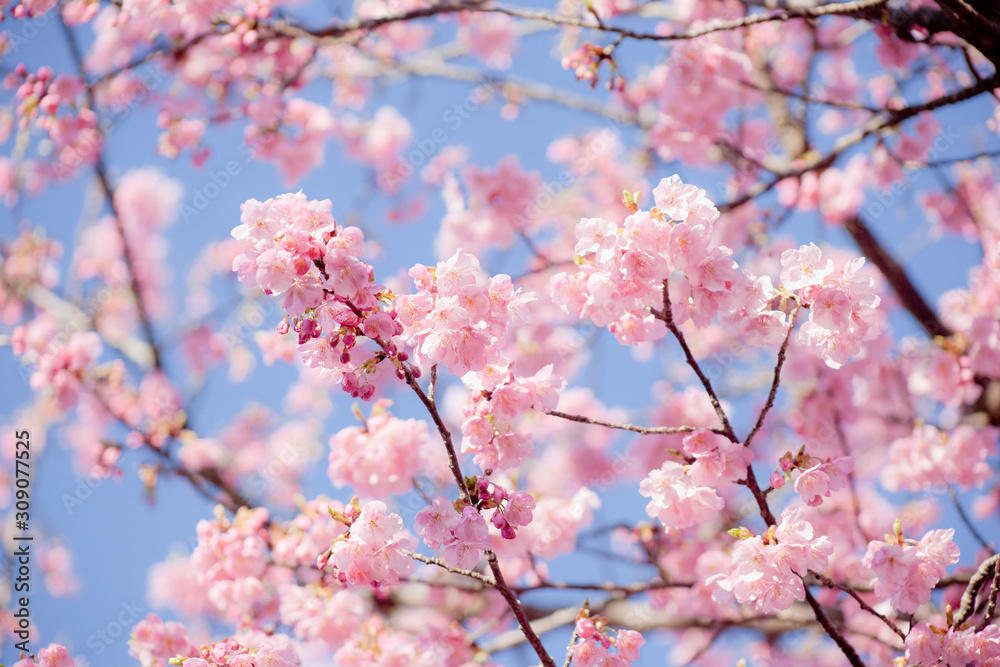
[777, 377]
[957, 160]
[829, 583]
[478, 576]
[645, 430]
[667, 316]
[968, 523]
[453, 464]
[829, 9]
[630, 589]
[109, 194]
[572, 644]
[876, 124]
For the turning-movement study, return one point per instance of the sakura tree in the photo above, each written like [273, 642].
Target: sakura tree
[604, 333]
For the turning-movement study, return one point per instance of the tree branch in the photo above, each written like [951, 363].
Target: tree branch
[645, 430]
[777, 377]
[968, 603]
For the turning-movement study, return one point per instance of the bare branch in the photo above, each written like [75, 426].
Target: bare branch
[478, 576]
[645, 430]
[965, 609]
[829, 583]
[777, 377]
[667, 316]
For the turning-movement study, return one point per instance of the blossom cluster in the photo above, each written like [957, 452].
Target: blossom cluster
[75, 137]
[683, 495]
[929, 457]
[842, 306]
[585, 62]
[767, 569]
[28, 260]
[906, 570]
[231, 561]
[816, 480]
[376, 549]
[595, 638]
[623, 271]
[496, 399]
[295, 248]
[155, 642]
[501, 205]
[272, 651]
[927, 644]
[61, 361]
[459, 317]
[380, 458]
[462, 530]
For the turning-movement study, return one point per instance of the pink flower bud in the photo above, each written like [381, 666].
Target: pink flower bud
[367, 392]
[50, 103]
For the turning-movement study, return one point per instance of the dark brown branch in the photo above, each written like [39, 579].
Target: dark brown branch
[777, 378]
[976, 582]
[830, 583]
[449, 444]
[518, 611]
[991, 603]
[667, 316]
[109, 195]
[897, 277]
[978, 23]
[833, 632]
[499, 584]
